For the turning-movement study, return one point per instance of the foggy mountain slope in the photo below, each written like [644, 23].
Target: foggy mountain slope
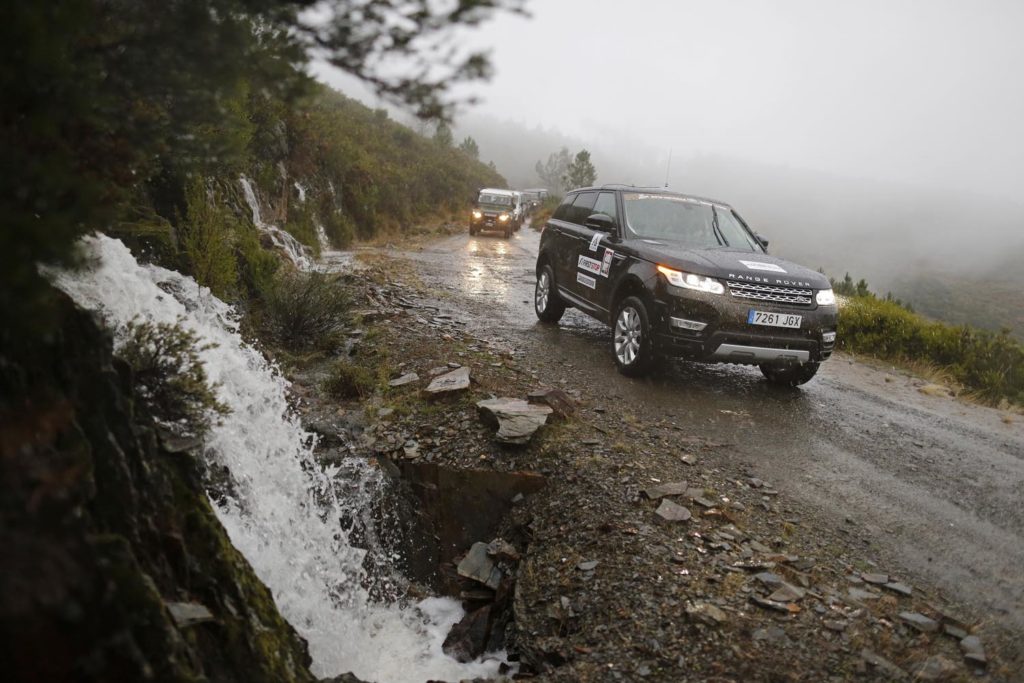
[882, 231]
[516, 147]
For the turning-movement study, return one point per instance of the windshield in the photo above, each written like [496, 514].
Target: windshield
[500, 199]
[692, 222]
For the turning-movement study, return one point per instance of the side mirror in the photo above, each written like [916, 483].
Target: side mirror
[600, 221]
[762, 240]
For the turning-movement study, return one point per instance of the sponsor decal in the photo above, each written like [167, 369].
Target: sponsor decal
[757, 265]
[595, 240]
[586, 280]
[606, 262]
[589, 264]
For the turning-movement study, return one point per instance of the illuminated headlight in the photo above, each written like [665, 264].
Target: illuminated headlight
[825, 297]
[503, 217]
[691, 281]
[478, 214]
[828, 337]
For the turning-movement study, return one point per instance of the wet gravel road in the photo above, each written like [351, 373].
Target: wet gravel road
[934, 486]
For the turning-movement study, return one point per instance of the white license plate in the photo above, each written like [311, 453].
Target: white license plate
[774, 319]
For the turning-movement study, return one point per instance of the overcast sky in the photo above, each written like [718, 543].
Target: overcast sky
[928, 92]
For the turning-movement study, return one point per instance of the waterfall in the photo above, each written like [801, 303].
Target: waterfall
[285, 507]
[282, 239]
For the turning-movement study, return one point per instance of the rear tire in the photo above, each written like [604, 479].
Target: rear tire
[546, 304]
[632, 345]
[789, 375]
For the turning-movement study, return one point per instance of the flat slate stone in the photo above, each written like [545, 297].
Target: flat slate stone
[407, 378]
[787, 593]
[672, 512]
[897, 587]
[676, 488]
[878, 579]
[973, 650]
[188, 613]
[515, 419]
[456, 380]
[476, 565]
[920, 622]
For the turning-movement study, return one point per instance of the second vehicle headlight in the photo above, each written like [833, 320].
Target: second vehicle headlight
[700, 283]
[503, 217]
[478, 214]
[825, 297]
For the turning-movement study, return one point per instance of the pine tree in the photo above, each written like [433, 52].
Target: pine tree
[470, 147]
[443, 135]
[581, 172]
[552, 172]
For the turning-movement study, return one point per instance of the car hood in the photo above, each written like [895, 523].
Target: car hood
[730, 264]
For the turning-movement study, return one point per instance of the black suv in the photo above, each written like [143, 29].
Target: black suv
[676, 275]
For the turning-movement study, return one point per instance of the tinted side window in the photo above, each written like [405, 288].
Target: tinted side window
[606, 204]
[562, 212]
[582, 207]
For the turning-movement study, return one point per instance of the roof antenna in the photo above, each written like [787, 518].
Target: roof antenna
[668, 167]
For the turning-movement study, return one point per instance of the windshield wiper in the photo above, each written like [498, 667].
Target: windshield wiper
[718, 231]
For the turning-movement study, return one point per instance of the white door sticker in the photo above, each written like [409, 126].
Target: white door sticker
[606, 263]
[586, 280]
[595, 240]
[757, 265]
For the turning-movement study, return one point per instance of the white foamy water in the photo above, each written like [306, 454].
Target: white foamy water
[284, 516]
[282, 239]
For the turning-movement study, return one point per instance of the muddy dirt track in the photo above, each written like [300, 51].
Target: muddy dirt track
[931, 484]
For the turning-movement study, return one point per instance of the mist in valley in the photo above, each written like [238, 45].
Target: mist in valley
[883, 139]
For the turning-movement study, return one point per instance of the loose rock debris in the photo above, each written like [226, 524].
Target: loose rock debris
[515, 419]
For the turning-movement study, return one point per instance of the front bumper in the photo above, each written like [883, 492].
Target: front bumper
[727, 337]
[489, 223]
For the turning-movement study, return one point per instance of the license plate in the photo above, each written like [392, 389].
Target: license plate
[774, 319]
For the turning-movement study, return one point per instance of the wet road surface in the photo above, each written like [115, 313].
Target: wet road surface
[935, 485]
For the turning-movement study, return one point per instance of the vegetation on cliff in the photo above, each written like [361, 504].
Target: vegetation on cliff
[989, 364]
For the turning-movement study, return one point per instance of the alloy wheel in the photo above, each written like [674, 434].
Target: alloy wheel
[627, 335]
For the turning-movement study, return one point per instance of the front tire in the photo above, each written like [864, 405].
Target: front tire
[546, 304]
[632, 344]
[789, 375]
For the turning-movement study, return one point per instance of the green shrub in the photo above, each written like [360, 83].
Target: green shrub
[170, 377]
[349, 381]
[208, 236]
[257, 266]
[988, 363]
[305, 310]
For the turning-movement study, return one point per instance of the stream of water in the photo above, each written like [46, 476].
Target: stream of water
[285, 511]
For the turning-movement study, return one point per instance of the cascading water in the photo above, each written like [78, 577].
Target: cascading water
[283, 513]
[282, 239]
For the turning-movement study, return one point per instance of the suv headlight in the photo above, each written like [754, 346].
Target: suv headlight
[478, 214]
[503, 217]
[825, 297]
[700, 283]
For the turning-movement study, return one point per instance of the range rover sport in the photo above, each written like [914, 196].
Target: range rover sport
[676, 275]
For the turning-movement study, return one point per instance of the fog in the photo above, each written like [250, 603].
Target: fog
[878, 137]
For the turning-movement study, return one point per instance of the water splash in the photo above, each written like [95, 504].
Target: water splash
[284, 512]
[282, 239]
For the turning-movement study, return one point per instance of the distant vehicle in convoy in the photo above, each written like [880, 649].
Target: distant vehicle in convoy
[534, 196]
[676, 275]
[494, 210]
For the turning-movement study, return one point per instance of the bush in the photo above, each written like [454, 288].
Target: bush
[305, 310]
[208, 235]
[170, 378]
[990, 364]
[349, 381]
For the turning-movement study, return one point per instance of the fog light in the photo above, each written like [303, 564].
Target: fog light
[828, 337]
[689, 324]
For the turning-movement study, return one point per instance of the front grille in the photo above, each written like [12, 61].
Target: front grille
[781, 295]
